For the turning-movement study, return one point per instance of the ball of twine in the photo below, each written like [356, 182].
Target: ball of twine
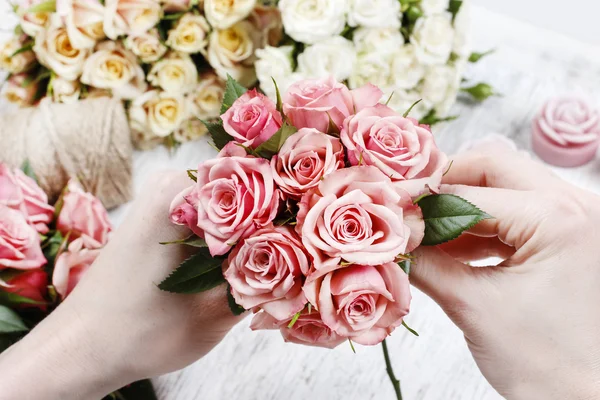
[88, 140]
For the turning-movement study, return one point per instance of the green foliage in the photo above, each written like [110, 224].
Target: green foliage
[454, 8]
[197, 274]
[47, 6]
[480, 91]
[432, 118]
[410, 108]
[10, 322]
[217, 133]
[27, 47]
[233, 91]
[408, 328]
[27, 170]
[193, 241]
[190, 173]
[279, 102]
[475, 57]
[272, 146]
[235, 308]
[13, 299]
[405, 265]
[52, 246]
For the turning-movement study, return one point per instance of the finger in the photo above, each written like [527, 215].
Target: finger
[503, 169]
[468, 248]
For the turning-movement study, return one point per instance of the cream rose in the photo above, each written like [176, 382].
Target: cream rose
[440, 87]
[18, 91]
[374, 68]
[433, 38]
[190, 34]
[126, 17]
[147, 46]
[274, 63]
[113, 67]
[175, 73]
[17, 63]
[370, 40]
[55, 51]
[205, 100]
[65, 91]
[407, 71]
[83, 20]
[335, 56]
[190, 130]
[32, 23]
[224, 13]
[311, 21]
[375, 13]
[159, 112]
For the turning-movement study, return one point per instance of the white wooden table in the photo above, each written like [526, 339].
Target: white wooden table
[529, 66]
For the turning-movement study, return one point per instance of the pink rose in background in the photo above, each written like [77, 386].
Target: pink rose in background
[30, 284]
[83, 20]
[71, 265]
[357, 215]
[19, 242]
[124, 17]
[308, 329]
[83, 216]
[20, 192]
[267, 270]
[173, 6]
[17, 91]
[233, 197]
[364, 303]
[252, 119]
[400, 147]
[306, 157]
[311, 103]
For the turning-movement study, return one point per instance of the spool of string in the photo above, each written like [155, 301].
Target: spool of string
[88, 140]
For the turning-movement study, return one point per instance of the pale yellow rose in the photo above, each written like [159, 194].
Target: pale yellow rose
[147, 46]
[83, 20]
[113, 67]
[64, 91]
[224, 13]
[127, 17]
[158, 112]
[192, 129]
[205, 101]
[175, 73]
[19, 62]
[190, 34]
[19, 90]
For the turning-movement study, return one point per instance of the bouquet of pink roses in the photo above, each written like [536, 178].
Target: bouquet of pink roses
[44, 252]
[311, 209]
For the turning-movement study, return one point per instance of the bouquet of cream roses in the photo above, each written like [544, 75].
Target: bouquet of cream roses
[311, 209]
[166, 59]
[411, 49]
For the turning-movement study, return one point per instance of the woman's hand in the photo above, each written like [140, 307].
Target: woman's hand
[117, 326]
[532, 322]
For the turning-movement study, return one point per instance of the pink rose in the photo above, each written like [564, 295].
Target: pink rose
[71, 265]
[267, 270]
[83, 216]
[30, 284]
[20, 192]
[173, 6]
[357, 215]
[304, 159]
[311, 103]
[19, 242]
[364, 303]
[308, 329]
[233, 197]
[252, 119]
[183, 211]
[400, 147]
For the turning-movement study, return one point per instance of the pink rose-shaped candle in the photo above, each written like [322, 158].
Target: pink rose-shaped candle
[30, 284]
[252, 119]
[71, 265]
[83, 216]
[400, 147]
[364, 303]
[19, 242]
[566, 132]
[308, 329]
[357, 215]
[312, 103]
[267, 270]
[306, 157]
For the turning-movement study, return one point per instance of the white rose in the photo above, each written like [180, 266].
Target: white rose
[126, 17]
[368, 40]
[335, 56]
[440, 87]
[224, 13]
[310, 21]
[64, 91]
[113, 67]
[401, 100]
[375, 13]
[190, 34]
[273, 63]
[17, 90]
[433, 37]
[407, 70]
[204, 102]
[175, 73]
[158, 112]
[434, 6]
[84, 21]
[18, 63]
[147, 46]
[32, 23]
[54, 50]
[372, 68]
[192, 129]
[462, 30]
[231, 51]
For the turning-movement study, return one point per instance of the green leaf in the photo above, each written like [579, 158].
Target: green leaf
[389, 98]
[13, 299]
[279, 102]
[447, 216]
[480, 92]
[333, 129]
[294, 319]
[171, 17]
[431, 118]
[352, 345]
[233, 91]
[217, 133]
[411, 107]
[235, 308]
[411, 330]
[197, 274]
[47, 6]
[405, 265]
[475, 57]
[193, 241]
[27, 170]
[10, 321]
[23, 49]
[413, 13]
[272, 146]
[190, 173]
[454, 8]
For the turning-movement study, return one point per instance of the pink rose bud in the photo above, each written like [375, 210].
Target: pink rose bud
[401, 148]
[32, 285]
[71, 265]
[19, 242]
[252, 119]
[312, 103]
[20, 192]
[364, 303]
[358, 216]
[308, 329]
[183, 210]
[267, 270]
[83, 216]
[306, 157]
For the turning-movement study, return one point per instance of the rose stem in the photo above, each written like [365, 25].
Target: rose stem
[390, 371]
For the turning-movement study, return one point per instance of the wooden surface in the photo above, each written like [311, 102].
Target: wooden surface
[529, 66]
